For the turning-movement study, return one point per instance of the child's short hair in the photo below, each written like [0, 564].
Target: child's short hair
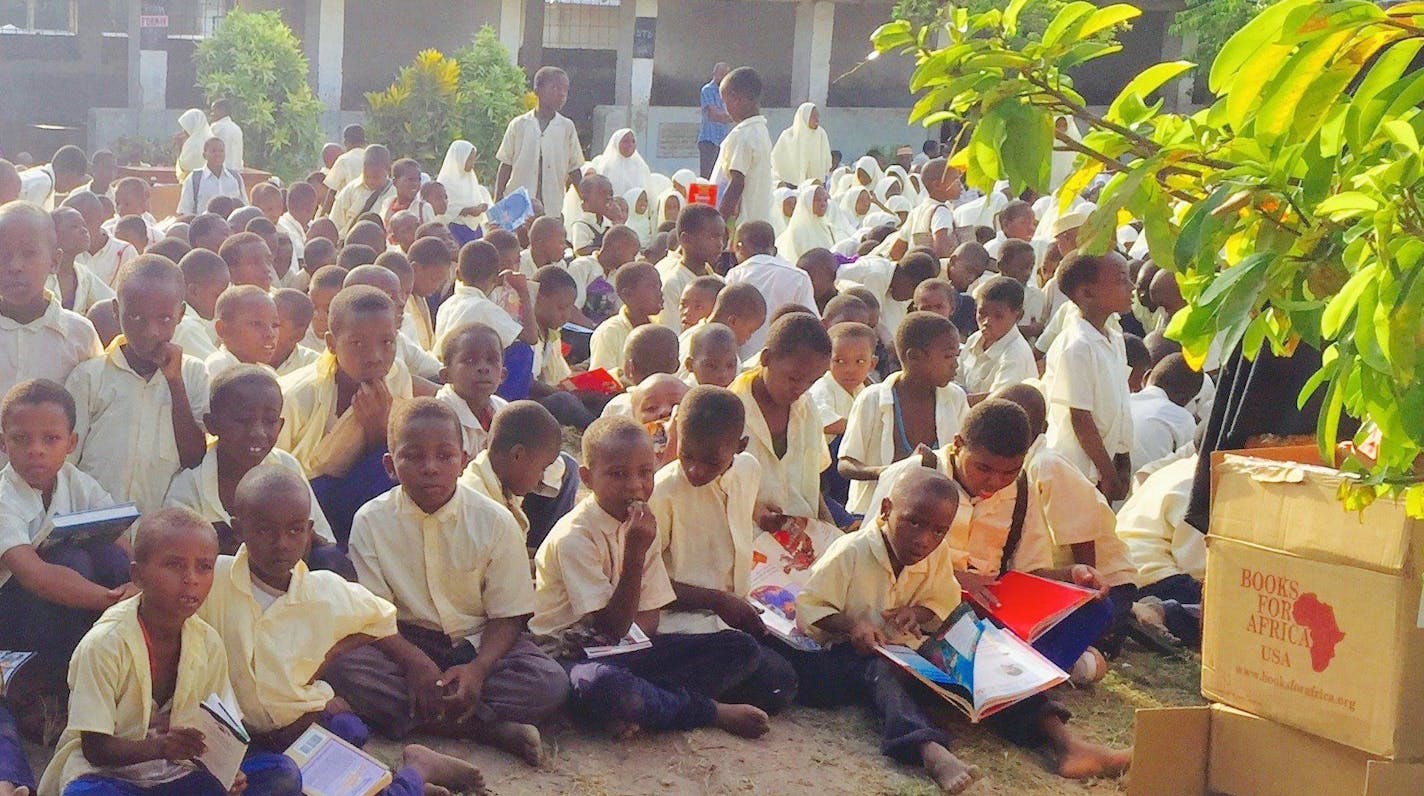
[132, 226]
[327, 277]
[479, 262]
[1014, 249]
[319, 250]
[611, 430]
[918, 265]
[972, 254]
[1013, 211]
[432, 229]
[1176, 378]
[998, 427]
[789, 308]
[1030, 399]
[920, 330]
[1077, 271]
[454, 343]
[153, 529]
[983, 234]
[711, 334]
[554, 278]
[358, 300]
[936, 285]
[428, 250]
[35, 392]
[294, 305]
[1160, 346]
[396, 263]
[867, 297]
[744, 81]
[300, 193]
[235, 298]
[1004, 290]
[406, 413]
[231, 249]
[231, 384]
[743, 300]
[502, 240]
[708, 412]
[850, 330]
[756, 236]
[525, 423]
[630, 275]
[355, 255]
[201, 266]
[698, 217]
[706, 285]
[268, 481]
[223, 206]
[651, 348]
[204, 224]
[170, 248]
[130, 185]
[404, 165]
[1137, 353]
[797, 333]
[621, 232]
[261, 225]
[844, 304]
[149, 267]
[547, 73]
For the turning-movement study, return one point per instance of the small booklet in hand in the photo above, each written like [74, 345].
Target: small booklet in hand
[977, 666]
[1030, 606]
[94, 526]
[598, 380]
[635, 639]
[333, 767]
[225, 738]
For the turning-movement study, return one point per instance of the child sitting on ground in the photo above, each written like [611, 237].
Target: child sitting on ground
[889, 583]
[324, 286]
[479, 272]
[294, 316]
[695, 304]
[246, 322]
[430, 263]
[741, 308]
[834, 394]
[138, 676]
[1161, 424]
[1169, 553]
[997, 356]
[244, 416]
[937, 296]
[711, 356]
[845, 308]
[652, 404]
[454, 564]
[705, 504]
[249, 261]
[651, 349]
[141, 400]
[523, 445]
[554, 307]
[783, 426]
[917, 407]
[640, 290]
[421, 364]
[891, 283]
[597, 300]
[599, 573]
[334, 411]
[701, 237]
[77, 287]
[205, 278]
[282, 624]
[474, 368]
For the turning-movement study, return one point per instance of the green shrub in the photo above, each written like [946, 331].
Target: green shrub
[493, 90]
[254, 61]
[415, 117]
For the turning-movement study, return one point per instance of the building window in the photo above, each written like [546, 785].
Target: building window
[582, 24]
[37, 16]
[196, 19]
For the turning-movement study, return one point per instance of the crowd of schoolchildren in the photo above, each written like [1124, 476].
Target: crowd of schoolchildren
[341, 410]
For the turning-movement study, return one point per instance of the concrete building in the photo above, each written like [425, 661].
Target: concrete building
[633, 63]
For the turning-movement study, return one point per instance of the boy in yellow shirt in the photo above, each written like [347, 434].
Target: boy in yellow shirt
[282, 625]
[473, 370]
[640, 290]
[708, 558]
[524, 442]
[294, 316]
[599, 574]
[245, 318]
[454, 564]
[205, 278]
[711, 357]
[852, 360]
[140, 403]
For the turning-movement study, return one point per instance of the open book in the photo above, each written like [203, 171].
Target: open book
[977, 666]
[77, 528]
[10, 663]
[333, 767]
[635, 639]
[512, 211]
[225, 738]
[1031, 606]
[781, 565]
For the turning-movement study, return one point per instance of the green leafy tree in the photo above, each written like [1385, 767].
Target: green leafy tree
[1033, 19]
[254, 60]
[493, 90]
[1213, 22]
[1289, 208]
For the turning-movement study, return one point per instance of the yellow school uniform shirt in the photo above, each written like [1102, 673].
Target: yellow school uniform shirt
[832, 401]
[550, 367]
[26, 520]
[197, 490]
[300, 357]
[309, 411]
[791, 482]
[676, 277]
[46, 348]
[855, 577]
[449, 571]
[89, 289]
[475, 436]
[418, 323]
[481, 477]
[273, 655]
[469, 305]
[125, 424]
[705, 535]
[580, 563]
[1075, 512]
[196, 335]
[111, 688]
[605, 347]
[870, 430]
[1153, 524]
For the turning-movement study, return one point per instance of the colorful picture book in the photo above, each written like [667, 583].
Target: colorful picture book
[781, 565]
[333, 767]
[512, 211]
[1030, 606]
[635, 639]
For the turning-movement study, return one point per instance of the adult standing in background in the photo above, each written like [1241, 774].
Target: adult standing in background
[716, 122]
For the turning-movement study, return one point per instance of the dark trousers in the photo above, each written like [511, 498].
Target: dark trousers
[1070, 638]
[771, 686]
[707, 157]
[28, 623]
[341, 498]
[1181, 598]
[198, 783]
[14, 767]
[1120, 600]
[669, 686]
[835, 488]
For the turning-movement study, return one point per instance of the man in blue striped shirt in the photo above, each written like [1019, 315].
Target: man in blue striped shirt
[716, 122]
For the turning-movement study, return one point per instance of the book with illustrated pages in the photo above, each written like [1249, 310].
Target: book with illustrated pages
[1030, 606]
[976, 665]
[94, 526]
[224, 737]
[512, 211]
[635, 639]
[781, 565]
[10, 663]
[333, 767]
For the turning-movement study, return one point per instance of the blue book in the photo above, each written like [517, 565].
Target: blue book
[512, 211]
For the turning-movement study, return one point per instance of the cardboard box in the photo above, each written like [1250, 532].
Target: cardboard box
[1312, 613]
[1220, 750]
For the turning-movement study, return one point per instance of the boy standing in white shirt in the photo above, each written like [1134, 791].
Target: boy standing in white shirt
[743, 169]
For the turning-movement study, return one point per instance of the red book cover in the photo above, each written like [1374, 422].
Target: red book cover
[1030, 606]
[702, 193]
[599, 380]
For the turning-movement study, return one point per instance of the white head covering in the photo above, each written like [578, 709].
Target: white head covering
[657, 183]
[801, 153]
[684, 178]
[462, 186]
[872, 170]
[806, 230]
[661, 214]
[1062, 162]
[779, 218]
[900, 204]
[190, 157]
[625, 173]
[839, 181]
[641, 223]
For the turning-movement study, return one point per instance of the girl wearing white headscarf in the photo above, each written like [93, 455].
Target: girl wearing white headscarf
[809, 228]
[621, 163]
[671, 200]
[901, 206]
[462, 185]
[641, 221]
[855, 203]
[839, 181]
[195, 133]
[867, 173]
[803, 150]
[780, 216]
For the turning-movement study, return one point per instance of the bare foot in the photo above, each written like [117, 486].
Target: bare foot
[747, 721]
[1083, 760]
[520, 740]
[436, 790]
[8, 789]
[443, 770]
[951, 774]
[623, 730]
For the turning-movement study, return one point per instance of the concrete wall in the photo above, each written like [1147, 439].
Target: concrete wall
[881, 83]
[692, 35]
[384, 35]
[672, 132]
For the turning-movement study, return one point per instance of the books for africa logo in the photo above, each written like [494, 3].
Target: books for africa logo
[1290, 620]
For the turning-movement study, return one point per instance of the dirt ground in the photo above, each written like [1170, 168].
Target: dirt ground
[821, 752]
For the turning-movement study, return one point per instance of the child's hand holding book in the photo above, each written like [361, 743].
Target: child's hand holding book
[177, 744]
[865, 636]
[975, 587]
[740, 614]
[1087, 577]
[907, 620]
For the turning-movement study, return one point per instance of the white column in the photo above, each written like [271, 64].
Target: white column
[801, 53]
[823, 23]
[511, 27]
[331, 42]
[153, 78]
[642, 80]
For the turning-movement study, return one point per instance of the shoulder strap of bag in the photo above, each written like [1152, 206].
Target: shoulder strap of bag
[1011, 544]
